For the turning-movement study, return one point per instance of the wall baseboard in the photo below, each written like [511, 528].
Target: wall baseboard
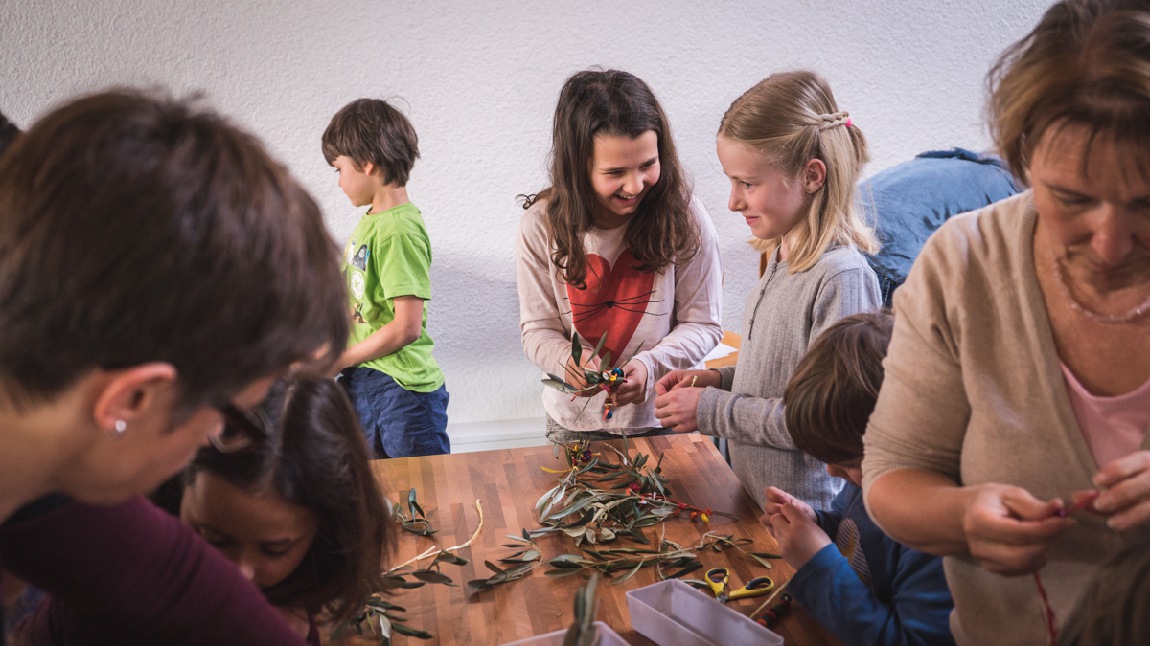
[497, 434]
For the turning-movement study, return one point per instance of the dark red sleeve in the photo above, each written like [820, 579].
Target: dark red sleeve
[131, 573]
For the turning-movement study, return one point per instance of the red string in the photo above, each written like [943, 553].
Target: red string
[1051, 626]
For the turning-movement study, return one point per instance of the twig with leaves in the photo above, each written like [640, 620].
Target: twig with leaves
[520, 564]
[434, 551]
[415, 521]
[582, 632]
[595, 378]
[638, 496]
[628, 561]
[377, 610]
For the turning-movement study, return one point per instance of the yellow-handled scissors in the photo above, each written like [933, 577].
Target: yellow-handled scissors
[718, 579]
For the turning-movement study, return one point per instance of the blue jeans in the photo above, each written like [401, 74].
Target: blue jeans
[397, 422]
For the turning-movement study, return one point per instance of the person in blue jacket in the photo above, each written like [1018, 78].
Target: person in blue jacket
[859, 583]
[908, 202]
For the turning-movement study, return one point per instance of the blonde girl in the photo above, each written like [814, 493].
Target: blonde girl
[793, 159]
[615, 246]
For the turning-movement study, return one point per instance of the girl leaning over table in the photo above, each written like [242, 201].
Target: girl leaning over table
[616, 246]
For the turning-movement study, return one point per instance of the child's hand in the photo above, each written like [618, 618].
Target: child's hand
[677, 409]
[633, 390]
[574, 374]
[1125, 485]
[798, 535]
[777, 498]
[687, 379]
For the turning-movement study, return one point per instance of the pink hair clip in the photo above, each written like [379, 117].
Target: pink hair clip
[848, 122]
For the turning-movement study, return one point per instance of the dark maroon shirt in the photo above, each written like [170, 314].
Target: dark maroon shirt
[133, 574]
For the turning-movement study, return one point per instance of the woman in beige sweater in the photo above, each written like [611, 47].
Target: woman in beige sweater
[1018, 379]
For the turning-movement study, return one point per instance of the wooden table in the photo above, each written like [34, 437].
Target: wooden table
[508, 483]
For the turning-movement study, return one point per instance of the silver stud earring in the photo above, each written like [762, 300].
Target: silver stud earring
[120, 427]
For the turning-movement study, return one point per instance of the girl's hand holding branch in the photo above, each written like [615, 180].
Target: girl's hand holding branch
[574, 374]
[633, 390]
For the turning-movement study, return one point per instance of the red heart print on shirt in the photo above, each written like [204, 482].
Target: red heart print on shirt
[614, 302]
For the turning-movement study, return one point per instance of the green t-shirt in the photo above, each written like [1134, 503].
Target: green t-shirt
[389, 255]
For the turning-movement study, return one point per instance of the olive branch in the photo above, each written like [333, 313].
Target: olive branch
[377, 611]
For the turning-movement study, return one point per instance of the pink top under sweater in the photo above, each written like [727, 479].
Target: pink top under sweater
[1113, 426]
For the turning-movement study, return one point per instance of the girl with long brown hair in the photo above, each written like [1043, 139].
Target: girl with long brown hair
[615, 246]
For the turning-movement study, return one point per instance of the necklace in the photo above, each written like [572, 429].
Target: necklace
[1112, 319]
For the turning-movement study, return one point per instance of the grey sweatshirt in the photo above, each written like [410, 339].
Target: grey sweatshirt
[784, 314]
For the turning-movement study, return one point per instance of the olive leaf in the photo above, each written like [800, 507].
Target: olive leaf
[523, 562]
[415, 520]
[382, 618]
[576, 348]
[582, 631]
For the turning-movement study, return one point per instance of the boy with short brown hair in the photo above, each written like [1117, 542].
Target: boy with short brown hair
[859, 583]
[388, 369]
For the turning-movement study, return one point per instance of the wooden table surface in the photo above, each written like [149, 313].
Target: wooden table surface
[508, 483]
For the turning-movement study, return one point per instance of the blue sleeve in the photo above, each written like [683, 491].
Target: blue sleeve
[918, 613]
[829, 520]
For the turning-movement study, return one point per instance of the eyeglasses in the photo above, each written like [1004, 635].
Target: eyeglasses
[241, 429]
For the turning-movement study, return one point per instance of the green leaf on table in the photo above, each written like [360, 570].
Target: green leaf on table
[399, 583]
[432, 576]
[767, 555]
[410, 632]
[563, 572]
[524, 556]
[449, 557]
[694, 565]
[568, 561]
[380, 604]
[630, 573]
[760, 560]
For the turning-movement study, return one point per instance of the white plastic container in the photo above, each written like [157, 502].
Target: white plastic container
[607, 637]
[672, 612]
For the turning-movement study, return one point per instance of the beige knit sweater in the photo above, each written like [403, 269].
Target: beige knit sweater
[974, 391]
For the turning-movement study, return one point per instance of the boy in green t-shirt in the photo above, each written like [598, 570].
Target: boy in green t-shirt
[394, 382]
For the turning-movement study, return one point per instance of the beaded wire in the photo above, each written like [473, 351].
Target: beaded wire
[1111, 319]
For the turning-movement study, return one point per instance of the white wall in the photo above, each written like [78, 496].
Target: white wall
[479, 81]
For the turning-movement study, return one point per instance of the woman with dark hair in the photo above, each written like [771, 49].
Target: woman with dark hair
[157, 268]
